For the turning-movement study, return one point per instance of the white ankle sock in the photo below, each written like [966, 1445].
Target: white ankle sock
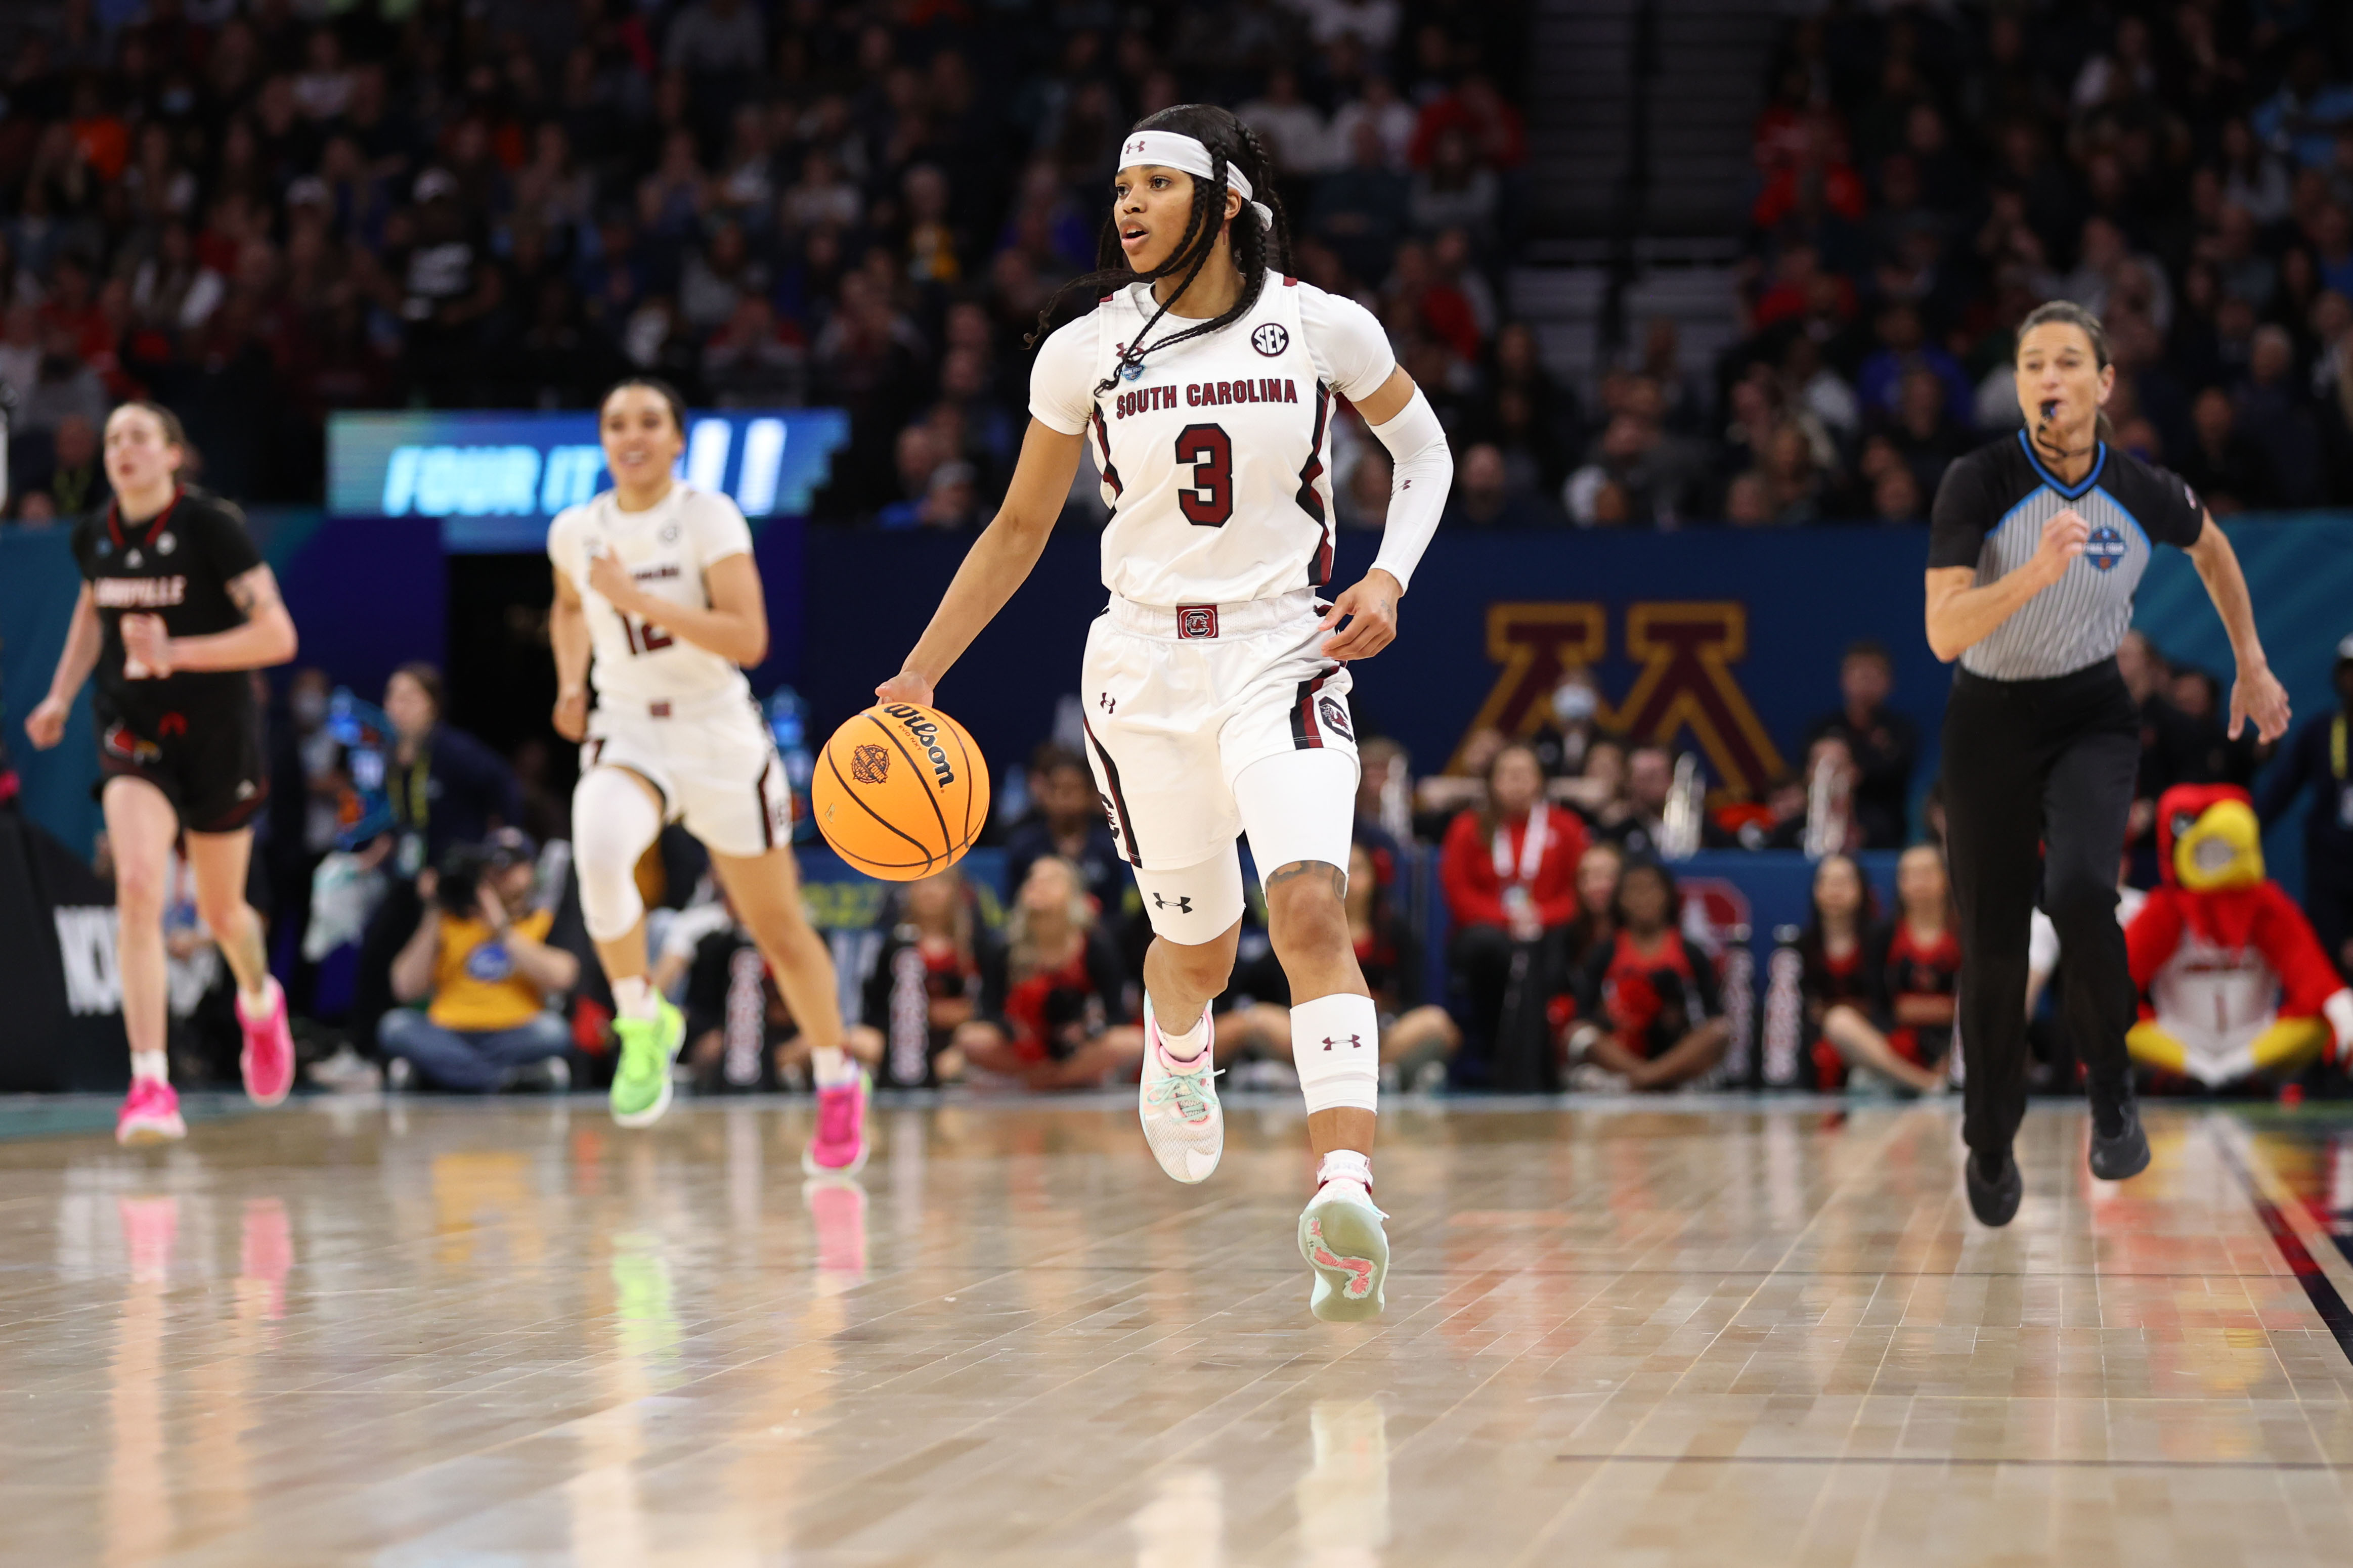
[633, 998]
[1346, 1166]
[150, 1064]
[1183, 1047]
[831, 1067]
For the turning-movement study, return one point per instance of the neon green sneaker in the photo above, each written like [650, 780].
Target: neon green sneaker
[641, 1082]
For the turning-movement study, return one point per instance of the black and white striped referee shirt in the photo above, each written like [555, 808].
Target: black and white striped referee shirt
[1989, 514]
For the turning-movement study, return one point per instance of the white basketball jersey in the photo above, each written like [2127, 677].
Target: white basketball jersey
[1216, 456]
[666, 548]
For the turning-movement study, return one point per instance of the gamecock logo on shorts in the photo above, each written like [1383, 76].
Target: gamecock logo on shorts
[1335, 717]
[1196, 621]
[869, 764]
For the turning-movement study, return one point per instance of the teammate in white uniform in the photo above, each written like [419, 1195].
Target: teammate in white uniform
[655, 579]
[1215, 684]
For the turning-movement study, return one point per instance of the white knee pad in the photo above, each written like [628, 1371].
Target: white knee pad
[1198, 904]
[614, 820]
[1336, 1042]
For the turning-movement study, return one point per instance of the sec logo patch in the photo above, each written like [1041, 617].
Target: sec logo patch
[2105, 548]
[1271, 339]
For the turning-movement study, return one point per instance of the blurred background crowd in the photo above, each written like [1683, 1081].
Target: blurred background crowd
[260, 212]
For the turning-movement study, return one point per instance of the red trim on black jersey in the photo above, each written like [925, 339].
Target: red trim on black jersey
[114, 518]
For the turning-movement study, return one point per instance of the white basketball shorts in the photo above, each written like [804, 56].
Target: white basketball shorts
[713, 761]
[1210, 720]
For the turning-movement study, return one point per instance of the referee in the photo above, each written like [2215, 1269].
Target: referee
[2036, 545]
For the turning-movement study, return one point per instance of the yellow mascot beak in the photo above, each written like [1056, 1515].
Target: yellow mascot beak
[2224, 848]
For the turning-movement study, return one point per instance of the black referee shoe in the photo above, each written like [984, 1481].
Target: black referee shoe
[1994, 1199]
[2125, 1152]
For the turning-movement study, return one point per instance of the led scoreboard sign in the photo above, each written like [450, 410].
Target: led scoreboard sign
[495, 480]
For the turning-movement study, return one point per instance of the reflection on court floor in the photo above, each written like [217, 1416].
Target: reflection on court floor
[1720, 1332]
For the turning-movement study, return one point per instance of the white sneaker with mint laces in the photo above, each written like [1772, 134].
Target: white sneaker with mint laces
[1177, 1102]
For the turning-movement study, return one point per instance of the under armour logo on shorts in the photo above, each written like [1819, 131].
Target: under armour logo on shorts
[1183, 904]
[1355, 1042]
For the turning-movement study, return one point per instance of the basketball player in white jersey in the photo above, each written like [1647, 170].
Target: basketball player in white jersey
[1216, 683]
[656, 578]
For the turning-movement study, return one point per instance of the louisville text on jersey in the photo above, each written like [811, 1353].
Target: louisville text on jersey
[139, 593]
[1206, 395]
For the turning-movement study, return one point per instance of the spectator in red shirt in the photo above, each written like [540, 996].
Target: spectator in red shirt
[1898, 1025]
[1509, 871]
[1649, 1007]
[1498, 136]
[925, 985]
[1053, 1001]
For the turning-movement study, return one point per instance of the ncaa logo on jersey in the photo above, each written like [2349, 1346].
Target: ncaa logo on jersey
[2105, 548]
[1271, 339]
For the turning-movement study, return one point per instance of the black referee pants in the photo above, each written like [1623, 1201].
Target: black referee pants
[2038, 784]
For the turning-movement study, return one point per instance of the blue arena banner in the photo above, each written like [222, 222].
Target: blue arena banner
[495, 480]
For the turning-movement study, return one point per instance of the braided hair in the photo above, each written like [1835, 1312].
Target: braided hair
[1258, 249]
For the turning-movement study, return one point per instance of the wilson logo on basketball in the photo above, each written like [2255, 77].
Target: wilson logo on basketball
[926, 735]
[869, 764]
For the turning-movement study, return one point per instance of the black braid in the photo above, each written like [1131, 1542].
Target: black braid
[1256, 247]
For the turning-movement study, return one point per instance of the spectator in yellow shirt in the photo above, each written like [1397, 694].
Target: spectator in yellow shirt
[490, 973]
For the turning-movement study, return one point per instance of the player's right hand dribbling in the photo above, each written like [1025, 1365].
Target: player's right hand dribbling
[905, 687]
[45, 726]
[571, 715]
[2064, 538]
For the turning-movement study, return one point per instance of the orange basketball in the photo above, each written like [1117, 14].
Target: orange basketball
[901, 792]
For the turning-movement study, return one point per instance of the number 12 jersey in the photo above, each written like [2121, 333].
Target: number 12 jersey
[667, 547]
[1216, 457]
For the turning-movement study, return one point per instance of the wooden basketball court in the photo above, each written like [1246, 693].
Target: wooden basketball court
[436, 1331]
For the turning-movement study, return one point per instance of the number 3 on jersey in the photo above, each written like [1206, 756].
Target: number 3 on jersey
[643, 638]
[1209, 500]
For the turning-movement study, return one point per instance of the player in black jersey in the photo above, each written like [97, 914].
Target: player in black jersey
[176, 607]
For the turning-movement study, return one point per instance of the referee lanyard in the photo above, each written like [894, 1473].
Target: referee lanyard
[1518, 882]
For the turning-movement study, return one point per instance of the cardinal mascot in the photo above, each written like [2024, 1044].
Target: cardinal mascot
[2236, 981]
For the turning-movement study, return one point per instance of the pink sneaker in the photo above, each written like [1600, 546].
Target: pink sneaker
[839, 1146]
[267, 1059]
[150, 1114]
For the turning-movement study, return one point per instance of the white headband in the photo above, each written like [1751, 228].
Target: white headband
[1174, 149]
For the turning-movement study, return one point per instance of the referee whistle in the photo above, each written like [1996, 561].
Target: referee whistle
[2049, 409]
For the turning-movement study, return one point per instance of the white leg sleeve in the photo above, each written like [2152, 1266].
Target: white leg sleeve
[614, 821]
[1336, 1042]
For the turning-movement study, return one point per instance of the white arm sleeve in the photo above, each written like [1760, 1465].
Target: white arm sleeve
[1062, 379]
[1423, 473]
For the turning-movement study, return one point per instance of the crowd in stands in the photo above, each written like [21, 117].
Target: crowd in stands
[1926, 175]
[1568, 954]
[260, 213]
